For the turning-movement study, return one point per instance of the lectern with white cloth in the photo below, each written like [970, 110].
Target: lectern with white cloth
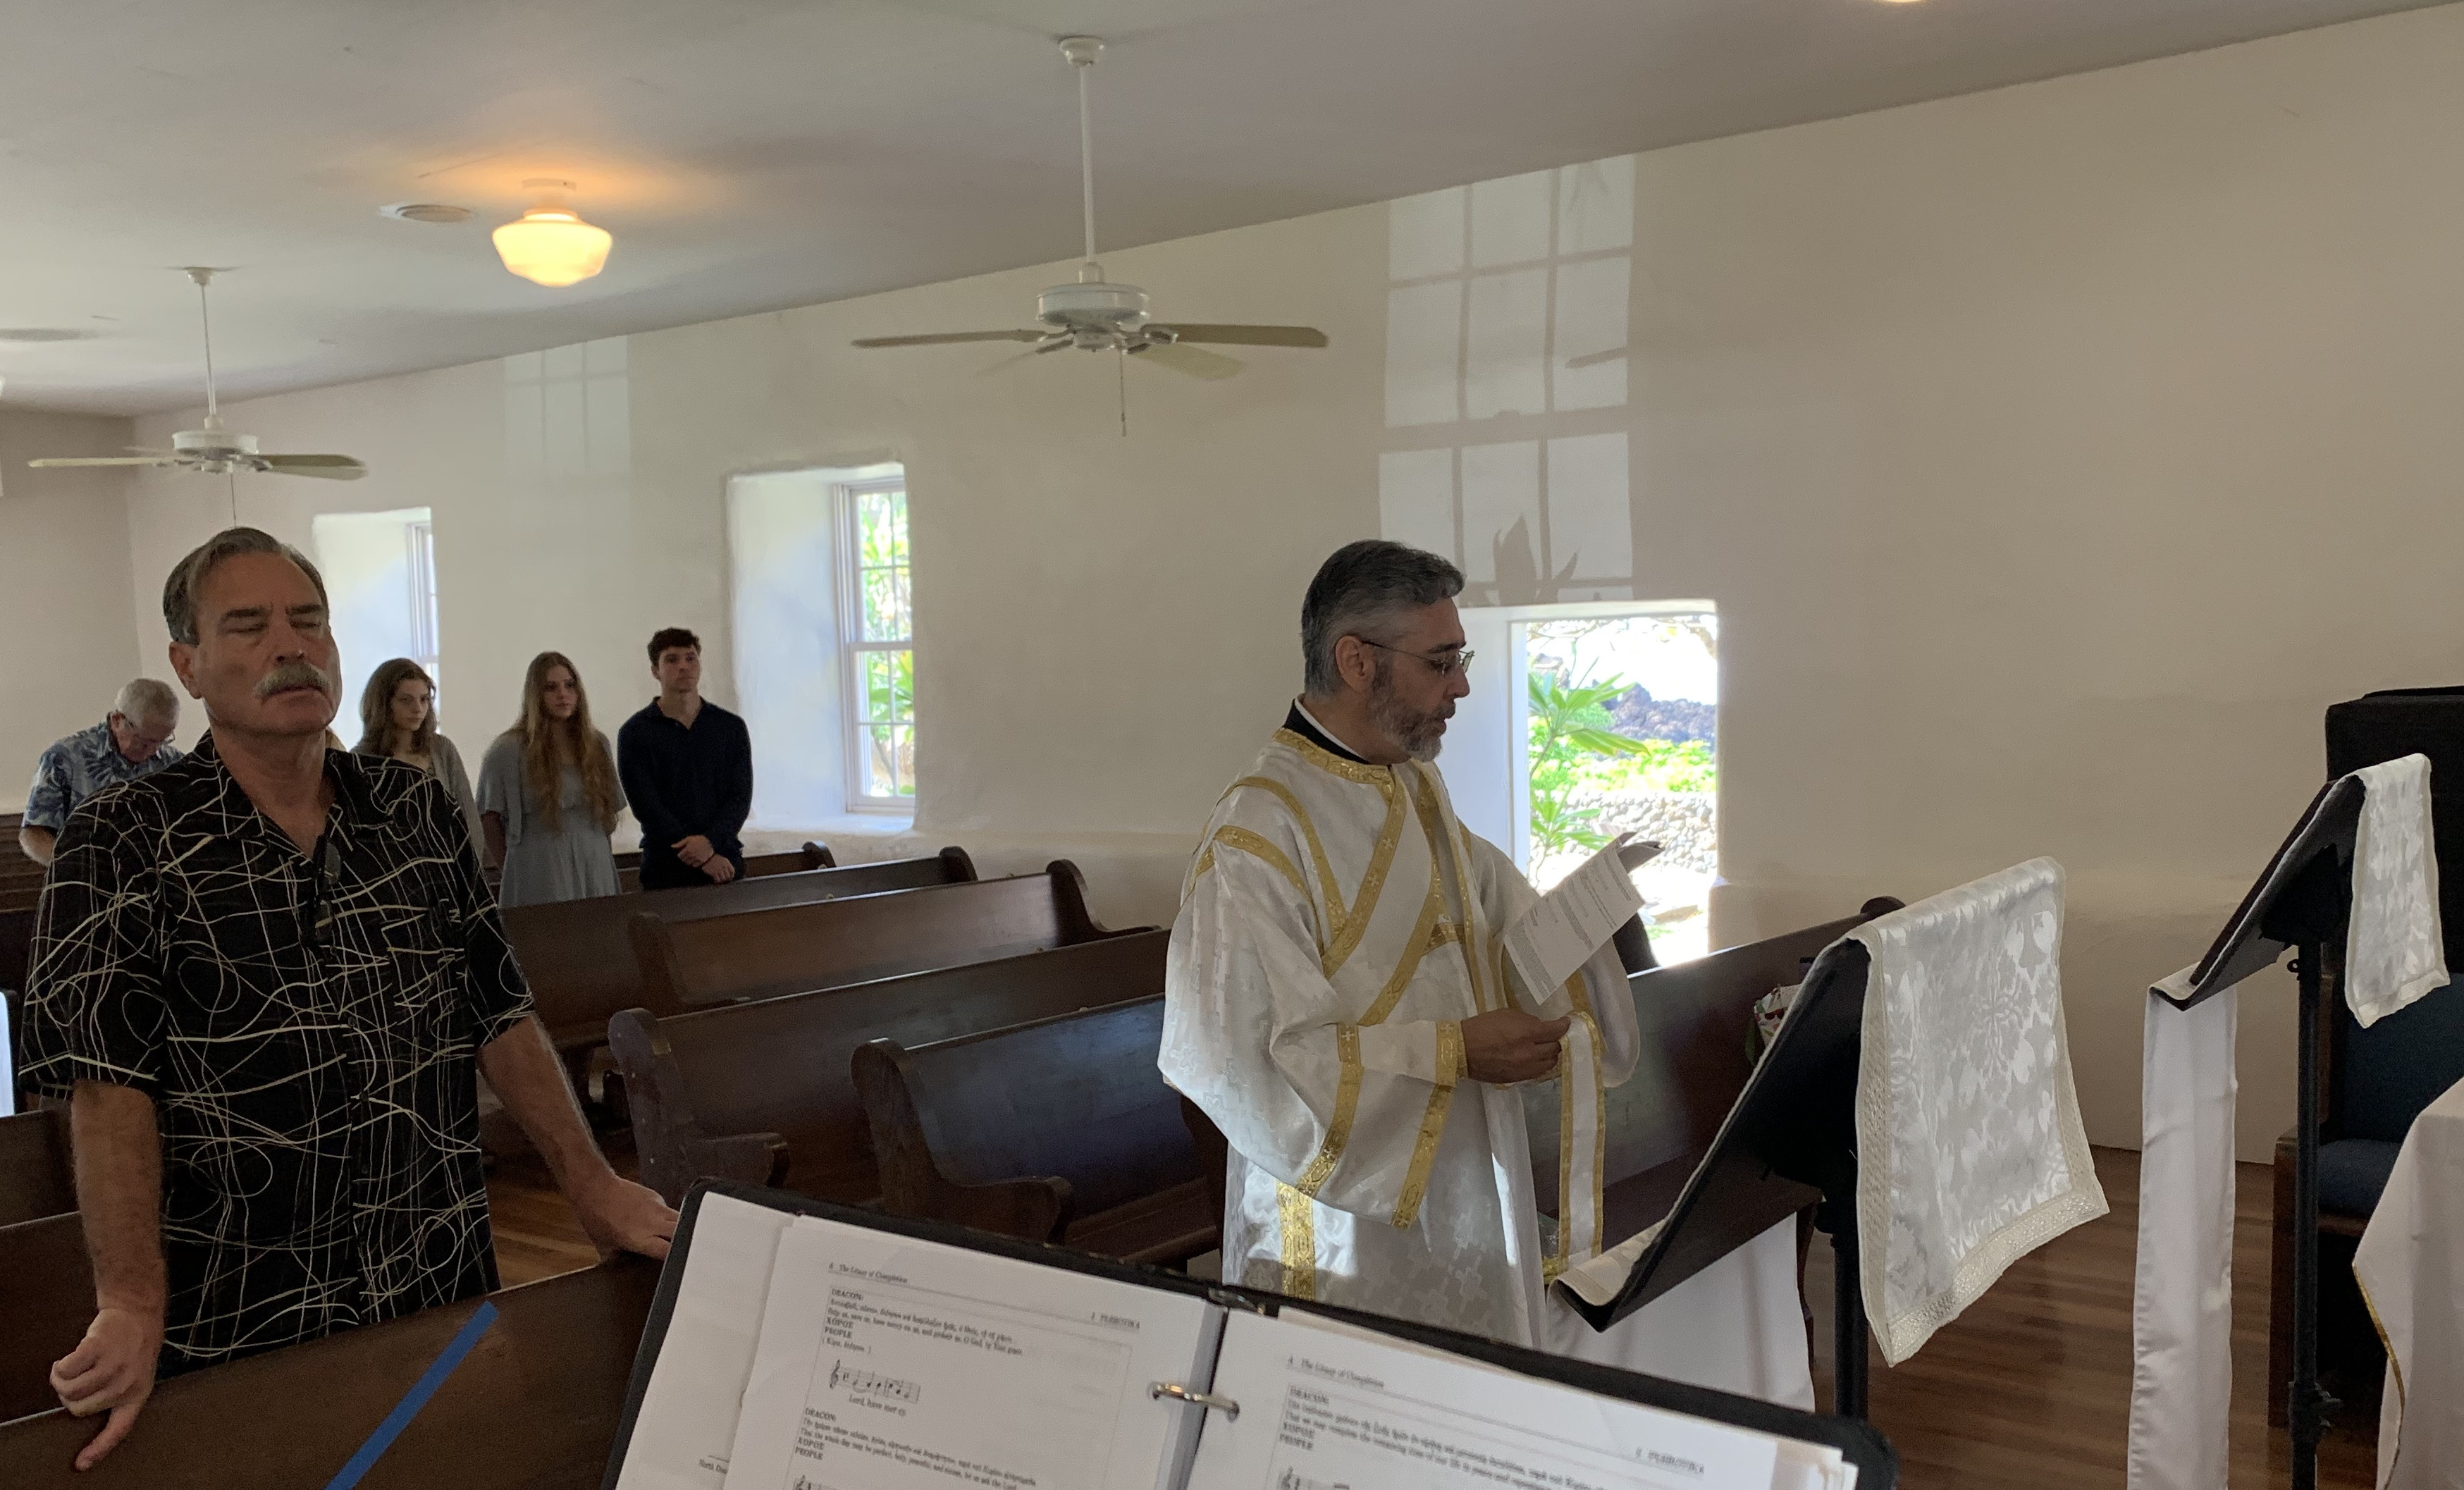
[2357, 873]
[1920, 1084]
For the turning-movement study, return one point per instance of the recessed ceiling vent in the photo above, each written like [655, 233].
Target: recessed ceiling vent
[427, 213]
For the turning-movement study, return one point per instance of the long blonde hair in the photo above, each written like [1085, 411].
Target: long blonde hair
[548, 748]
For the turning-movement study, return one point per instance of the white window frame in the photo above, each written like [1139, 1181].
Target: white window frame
[855, 741]
[425, 651]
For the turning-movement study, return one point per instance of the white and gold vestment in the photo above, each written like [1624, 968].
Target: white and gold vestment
[1339, 925]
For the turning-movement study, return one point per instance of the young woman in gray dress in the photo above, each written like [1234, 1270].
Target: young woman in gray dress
[398, 719]
[548, 794]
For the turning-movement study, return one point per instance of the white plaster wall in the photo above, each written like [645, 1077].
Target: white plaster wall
[2055, 456]
[65, 642]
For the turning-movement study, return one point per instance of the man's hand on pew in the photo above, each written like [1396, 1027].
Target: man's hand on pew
[1507, 1046]
[622, 1216]
[112, 1370]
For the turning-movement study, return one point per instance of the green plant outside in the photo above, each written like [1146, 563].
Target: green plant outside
[1575, 745]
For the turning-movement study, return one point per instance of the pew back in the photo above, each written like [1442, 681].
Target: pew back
[712, 1090]
[798, 949]
[1072, 1107]
[579, 960]
[46, 1302]
[533, 1407]
[36, 1178]
[812, 856]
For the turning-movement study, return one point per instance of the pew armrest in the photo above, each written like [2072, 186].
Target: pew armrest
[754, 1158]
[818, 856]
[1034, 1208]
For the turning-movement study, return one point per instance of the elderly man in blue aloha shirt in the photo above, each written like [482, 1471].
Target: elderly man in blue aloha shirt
[133, 740]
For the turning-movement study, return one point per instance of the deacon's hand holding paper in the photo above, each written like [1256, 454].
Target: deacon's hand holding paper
[1507, 1046]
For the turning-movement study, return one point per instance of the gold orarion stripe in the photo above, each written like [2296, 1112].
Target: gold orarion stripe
[1334, 913]
[1295, 1204]
[1372, 884]
[1414, 947]
[1264, 848]
[1600, 1142]
[1451, 1069]
[1328, 760]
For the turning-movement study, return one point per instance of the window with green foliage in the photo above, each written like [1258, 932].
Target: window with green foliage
[879, 627]
[1621, 718]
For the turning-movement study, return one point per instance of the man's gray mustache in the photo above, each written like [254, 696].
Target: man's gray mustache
[296, 675]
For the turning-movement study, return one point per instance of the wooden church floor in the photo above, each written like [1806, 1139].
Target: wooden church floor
[2030, 1390]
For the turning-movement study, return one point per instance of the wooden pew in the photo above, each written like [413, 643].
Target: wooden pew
[46, 1302]
[1059, 1130]
[579, 961]
[762, 1092]
[798, 949]
[533, 1407]
[812, 856]
[36, 1178]
[16, 946]
[1694, 1018]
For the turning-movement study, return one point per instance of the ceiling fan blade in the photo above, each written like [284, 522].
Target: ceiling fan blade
[1195, 361]
[146, 449]
[333, 468]
[1053, 344]
[945, 337]
[102, 460]
[1595, 359]
[1247, 336]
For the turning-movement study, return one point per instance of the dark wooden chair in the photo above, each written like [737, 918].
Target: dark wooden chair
[579, 961]
[2373, 1082]
[46, 1302]
[799, 949]
[762, 1092]
[533, 1407]
[1059, 1130]
[36, 1178]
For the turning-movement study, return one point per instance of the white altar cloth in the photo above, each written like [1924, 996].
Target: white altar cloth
[2410, 1264]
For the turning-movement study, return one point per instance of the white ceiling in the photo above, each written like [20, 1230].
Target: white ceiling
[751, 155]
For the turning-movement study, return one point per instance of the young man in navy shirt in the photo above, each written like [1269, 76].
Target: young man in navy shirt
[687, 765]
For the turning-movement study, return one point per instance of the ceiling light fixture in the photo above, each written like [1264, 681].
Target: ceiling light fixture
[550, 244]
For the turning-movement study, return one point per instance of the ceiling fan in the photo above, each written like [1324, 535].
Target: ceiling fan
[1097, 315]
[214, 448]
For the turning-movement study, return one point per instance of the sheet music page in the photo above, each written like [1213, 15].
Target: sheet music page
[891, 1363]
[688, 1419]
[1576, 919]
[1327, 1406]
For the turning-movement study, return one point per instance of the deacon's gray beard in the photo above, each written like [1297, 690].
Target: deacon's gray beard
[1417, 734]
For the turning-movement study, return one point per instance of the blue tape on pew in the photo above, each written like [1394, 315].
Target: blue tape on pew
[414, 1399]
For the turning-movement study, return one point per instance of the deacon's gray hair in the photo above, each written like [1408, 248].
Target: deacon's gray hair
[1361, 587]
[146, 701]
[189, 576]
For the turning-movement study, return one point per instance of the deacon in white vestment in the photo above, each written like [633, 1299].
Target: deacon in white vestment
[1339, 1003]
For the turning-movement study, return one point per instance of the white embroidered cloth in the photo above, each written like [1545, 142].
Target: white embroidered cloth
[2181, 1383]
[1971, 1148]
[2410, 1264]
[2394, 949]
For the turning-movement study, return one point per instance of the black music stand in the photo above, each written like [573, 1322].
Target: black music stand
[1790, 1141]
[2304, 901]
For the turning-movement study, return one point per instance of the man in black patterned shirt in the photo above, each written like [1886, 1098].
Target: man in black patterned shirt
[265, 979]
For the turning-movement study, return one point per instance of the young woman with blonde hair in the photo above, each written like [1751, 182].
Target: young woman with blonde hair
[548, 794]
[397, 721]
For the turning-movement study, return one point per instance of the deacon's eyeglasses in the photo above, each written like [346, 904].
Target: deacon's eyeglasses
[1453, 665]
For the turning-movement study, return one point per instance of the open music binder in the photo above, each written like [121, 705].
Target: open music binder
[797, 1345]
